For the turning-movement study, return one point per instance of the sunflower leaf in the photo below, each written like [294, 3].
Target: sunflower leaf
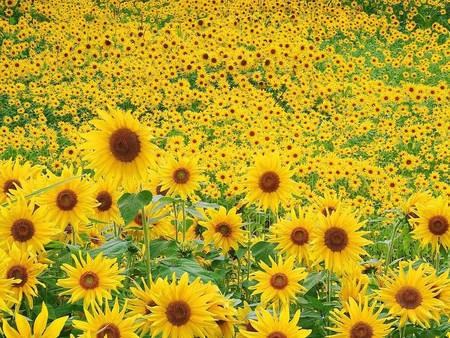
[130, 204]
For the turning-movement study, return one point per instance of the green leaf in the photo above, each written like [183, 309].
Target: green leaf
[179, 266]
[312, 280]
[263, 250]
[162, 247]
[131, 204]
[112, 248]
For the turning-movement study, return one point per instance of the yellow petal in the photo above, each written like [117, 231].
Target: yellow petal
[41, 321]
[54, 329]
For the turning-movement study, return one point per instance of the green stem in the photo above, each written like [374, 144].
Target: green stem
[249, 254]
[175, 212]
[437, 261]
[329, 291]
[183, 209]
[391, 245]
[147, 246]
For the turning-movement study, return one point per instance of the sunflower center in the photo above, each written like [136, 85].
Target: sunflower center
[181, 176]
[22, 230]
[336, 239]
[277, 334]
[328, 211]
[279, 281]
[361, 330]
[105, 200]
[408, 297]
[108, 331]
[438, 225]
[125, 145]
[269, 181]
[18, 272]
[11, 185]
[224, 229]
[66, 200]
[299, 236]
[178, 312]
[89, 280]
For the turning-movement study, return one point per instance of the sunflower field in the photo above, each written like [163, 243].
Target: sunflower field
[224, 168]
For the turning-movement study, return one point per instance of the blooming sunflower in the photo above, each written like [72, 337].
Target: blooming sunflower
[15, 175]
[354, 285]
[337, 240]
[181, 310]
[276, 326]
[223, 229]
[433, 223]
[180, 177]
[40, 326]
[359, 320]
[120, 148]
[92, 280]
[327, 204]
[107, 323]
[269, 183]
[25, 226]
[279, 282]
[410, 205]
[293, 235]
[410, 296]
[7, 296]
[106, 195]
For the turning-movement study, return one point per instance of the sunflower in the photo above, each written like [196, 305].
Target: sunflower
[24, 268]
[180, 177]
[107, 323]
[15, 175]
[96, 238]
[293, 235]
[7, 296]
[223, 229]
[120, 148]
[359, 320]
[181, 310]
[25, 226]
[410, 296]
[40, 326]
[92, 280]
[433, 223]
[158, 221]
[279, 282]
[327, 204]
[269, 183]
[277, 325]
[106, 195]
[68, 203]
[354, 285]
[410, 205]
[337, 240]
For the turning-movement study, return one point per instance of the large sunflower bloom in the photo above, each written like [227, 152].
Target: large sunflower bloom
[14, 175]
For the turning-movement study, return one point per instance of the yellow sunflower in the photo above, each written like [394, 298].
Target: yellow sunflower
[276, 325]
[14, 174]
[359, 320]
[269, 183]
[432, 224]
[181, 310]
[337, 240]
[293, 235]
[40, 328]
[410, 205]
[106, 195]
[409, 294]
[354, 285]
[92, 280]
[7, 296]
[180, 177]
[25, 226]
[280, 282]
[120, 148]
[107, 323]
[327, 204]
[223, 229]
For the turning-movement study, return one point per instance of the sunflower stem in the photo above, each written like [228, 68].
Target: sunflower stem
[391, 245]
[249, 254]
[147, 246]
[183, 209]
[437, 261]
[176, 220]
[329, 286]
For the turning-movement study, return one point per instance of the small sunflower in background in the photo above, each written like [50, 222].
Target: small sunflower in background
[409, 207]
[223, 229]
[327, 204]
[269, 182]
[106, 195]
[92, 280]
[354, 285]
[180, 177]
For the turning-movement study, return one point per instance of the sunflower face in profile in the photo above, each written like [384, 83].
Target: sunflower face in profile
[223, 229]
[92, 280]
[359, 321]
[432, 224]
[410, 295]
[120, 148]
[14, 175]
[269, 183]
[337, 240]
[180, 177]
[106, 196]
[279, 283]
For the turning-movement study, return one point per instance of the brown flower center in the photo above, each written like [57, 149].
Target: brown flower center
[125, 145]
[105, 200]
[66, 200]
[11, 185]
[22, 230]
[109, 330]
[89, 280]
[18, 272]
[269, 182]
[178, 313]
[279, 281]
[408, 297]
[224, 229]
[438, 225]
[328, 211]
[181, 176]
[336, 239]
[277, 334]
[68, 229]
[299, 236]
[361, 330]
